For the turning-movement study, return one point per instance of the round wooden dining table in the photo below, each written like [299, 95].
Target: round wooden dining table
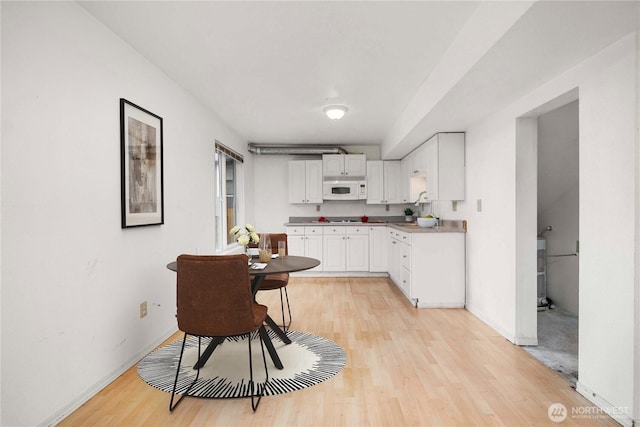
[286, 264]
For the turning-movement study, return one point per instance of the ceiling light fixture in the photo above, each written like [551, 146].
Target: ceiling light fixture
[335, 112]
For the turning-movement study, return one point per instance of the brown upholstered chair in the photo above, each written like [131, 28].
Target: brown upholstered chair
[214, 299]
[278, 281]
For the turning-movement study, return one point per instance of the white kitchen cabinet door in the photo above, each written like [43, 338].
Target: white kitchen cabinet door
[383, 182]
[355, 165]
[405, 283]
[405, 180]
[334, 252]
[313, 181]
[357, 252]
[332, 165]
[375, 182]
[295, 245]
[451, 166]
[297, 181]
[392, 192]
[305, 181]
[445, 166]
[418, 160]
[378, 249]
[395, 262]
[431, 164]
[344, 165]
[313, 249]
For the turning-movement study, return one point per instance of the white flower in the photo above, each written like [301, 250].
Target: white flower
[245, 235]
[243, 240]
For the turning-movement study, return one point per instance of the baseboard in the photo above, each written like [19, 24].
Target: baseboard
[526, 341]
[337, 274]
[488, 322]
[440, 305]
[602, 406]
[69, 408]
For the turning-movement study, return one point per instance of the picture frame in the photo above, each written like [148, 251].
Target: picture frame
[141, 166]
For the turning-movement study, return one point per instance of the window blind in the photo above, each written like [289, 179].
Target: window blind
[221, 148]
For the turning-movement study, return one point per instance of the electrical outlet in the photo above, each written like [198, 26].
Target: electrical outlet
[479, 205]
[143, 309]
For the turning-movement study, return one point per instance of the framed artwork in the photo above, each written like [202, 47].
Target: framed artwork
[140, 166]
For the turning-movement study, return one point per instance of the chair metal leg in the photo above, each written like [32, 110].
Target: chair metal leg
[175, 383]
[255, 402]
[285, 326]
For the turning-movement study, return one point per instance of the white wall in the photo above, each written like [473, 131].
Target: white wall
[608, 111]
[72, 279]
[607, 190]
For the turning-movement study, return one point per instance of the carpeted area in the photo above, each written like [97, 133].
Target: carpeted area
[307, 361]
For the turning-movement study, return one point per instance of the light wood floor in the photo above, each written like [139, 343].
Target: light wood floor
[405, 367]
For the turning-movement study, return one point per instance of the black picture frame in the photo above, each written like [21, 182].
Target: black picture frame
[141, 166]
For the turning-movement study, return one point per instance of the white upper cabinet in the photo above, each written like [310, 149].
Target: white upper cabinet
[344, 165]
[439, 161]
[305, 181]
[384, 182]
[418, 163]
[445, 166]
[405, 176]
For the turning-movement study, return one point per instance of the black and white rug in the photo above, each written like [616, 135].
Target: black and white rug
[308, 360]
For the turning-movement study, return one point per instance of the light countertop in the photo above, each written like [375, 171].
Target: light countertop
[406, 227]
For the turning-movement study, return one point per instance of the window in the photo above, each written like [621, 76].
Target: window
[228, 170]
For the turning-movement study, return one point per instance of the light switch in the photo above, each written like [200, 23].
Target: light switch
[479, 207]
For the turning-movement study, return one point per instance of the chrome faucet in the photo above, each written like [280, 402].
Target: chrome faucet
[417, 203]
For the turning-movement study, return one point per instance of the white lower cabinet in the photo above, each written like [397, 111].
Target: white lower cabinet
[378, 249]
[357, 249]
[306, 241]
[334, 249]
[346, 248]
[429, 268]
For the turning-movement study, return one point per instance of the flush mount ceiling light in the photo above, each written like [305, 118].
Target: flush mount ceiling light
[335, 112]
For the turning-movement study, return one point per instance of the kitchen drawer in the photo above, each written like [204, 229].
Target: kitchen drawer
[404, 237]
[405, 254]
[333, 230]
[357, 229]
[294, 230]
[310, 231]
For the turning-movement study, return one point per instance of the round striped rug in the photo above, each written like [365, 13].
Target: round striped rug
[308, 360]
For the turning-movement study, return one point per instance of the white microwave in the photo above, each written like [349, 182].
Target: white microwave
[344, 190]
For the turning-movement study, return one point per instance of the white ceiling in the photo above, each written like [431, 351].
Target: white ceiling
[405, 70]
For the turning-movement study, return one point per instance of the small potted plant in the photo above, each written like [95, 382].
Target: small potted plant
[408, 215]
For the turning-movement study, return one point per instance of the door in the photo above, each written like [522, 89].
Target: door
[375, 182]
[392, 190]
[334, 252]
[357, 252]
[313, 181]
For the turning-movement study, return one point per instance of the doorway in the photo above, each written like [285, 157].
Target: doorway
[557, 240]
